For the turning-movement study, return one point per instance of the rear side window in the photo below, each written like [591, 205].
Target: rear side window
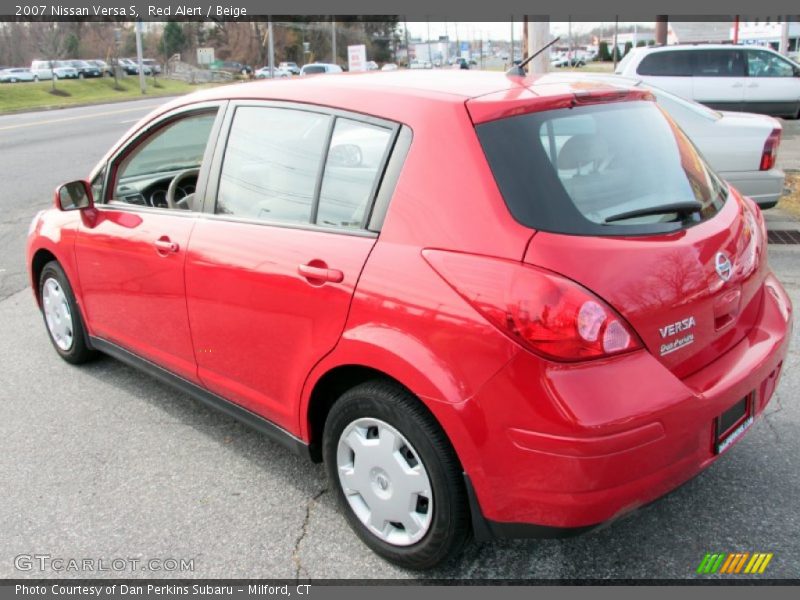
[676, 63]
[605, 169]
[313, 70]
[271, 165]
[355, 158]
[301, 167]
[718, 63]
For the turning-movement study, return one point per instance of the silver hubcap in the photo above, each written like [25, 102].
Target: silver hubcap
[57, 313]
[385, 482]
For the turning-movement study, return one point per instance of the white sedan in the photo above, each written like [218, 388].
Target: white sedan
[741, 147]
[279, 73]
[15, 75]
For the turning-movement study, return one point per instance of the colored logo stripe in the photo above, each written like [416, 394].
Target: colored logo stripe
[734, 563]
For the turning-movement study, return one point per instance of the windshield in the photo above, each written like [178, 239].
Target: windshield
[621, 168]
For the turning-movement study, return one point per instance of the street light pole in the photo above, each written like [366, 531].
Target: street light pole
[139, 58]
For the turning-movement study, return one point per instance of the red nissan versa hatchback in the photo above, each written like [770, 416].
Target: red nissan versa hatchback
[492, 307]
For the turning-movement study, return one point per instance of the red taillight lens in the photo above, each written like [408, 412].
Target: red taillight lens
[546, 313]
[770, 154]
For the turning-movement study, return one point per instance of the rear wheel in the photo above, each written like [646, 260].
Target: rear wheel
[61, 315]
[396, 476]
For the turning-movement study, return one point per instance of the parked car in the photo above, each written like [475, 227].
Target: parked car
[564, 61]
[152, 65]
[15, 75]
[279, 73]
[46, 69]
[104, 67]
[234, 67]
[389, 67]
[372, 65]
[319, 69]
[571, 317]
[742, 148]
[85, 69]
[290, 66]
[131, 66]
[724, 77]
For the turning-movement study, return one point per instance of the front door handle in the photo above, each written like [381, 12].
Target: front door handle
[317, 273]
[165, 246]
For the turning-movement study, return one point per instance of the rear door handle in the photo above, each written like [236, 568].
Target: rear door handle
[164, 245]
[319, 274]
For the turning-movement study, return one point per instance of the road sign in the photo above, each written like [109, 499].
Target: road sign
[357, 58]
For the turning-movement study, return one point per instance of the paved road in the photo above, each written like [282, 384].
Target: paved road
[38, 151]
[789, 151]
[104, 462]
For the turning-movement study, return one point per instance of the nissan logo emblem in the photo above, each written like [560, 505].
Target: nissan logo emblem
[723, 266]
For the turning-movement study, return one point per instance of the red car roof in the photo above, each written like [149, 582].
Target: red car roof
[401, 95]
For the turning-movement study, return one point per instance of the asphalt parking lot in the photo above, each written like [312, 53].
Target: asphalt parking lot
[104, 462]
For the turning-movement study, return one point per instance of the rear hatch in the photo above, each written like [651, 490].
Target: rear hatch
[624, 205]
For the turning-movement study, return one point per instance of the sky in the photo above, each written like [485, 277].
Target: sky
[494, 30]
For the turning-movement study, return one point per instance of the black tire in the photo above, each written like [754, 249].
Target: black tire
[450, 528]
[78, 352]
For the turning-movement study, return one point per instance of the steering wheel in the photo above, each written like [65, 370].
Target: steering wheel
[186, 201]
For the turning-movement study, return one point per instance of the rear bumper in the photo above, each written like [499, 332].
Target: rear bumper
[764, 187]
[604, 438]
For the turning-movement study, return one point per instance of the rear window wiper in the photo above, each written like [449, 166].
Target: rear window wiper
[685, 208]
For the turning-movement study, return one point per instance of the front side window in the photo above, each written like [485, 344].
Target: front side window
[718, 63]
[766, 64]
[603, 169]
[173, 153]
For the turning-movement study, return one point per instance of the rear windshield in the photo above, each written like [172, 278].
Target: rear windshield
[604, 169]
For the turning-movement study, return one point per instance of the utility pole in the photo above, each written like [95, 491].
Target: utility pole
[784, 46]
[661, 30]
[525, 37]
[538, 37]
[333, 40]
[408, 48]
[615, 52]
[271, 49]
[139, 59]
[511, 54]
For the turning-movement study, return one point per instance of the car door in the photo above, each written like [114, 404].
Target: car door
[773, 84]
[131, 252]
[272, 268]
[718, 78]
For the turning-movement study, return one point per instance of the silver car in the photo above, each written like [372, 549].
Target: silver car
[741, 147]
[15, 75]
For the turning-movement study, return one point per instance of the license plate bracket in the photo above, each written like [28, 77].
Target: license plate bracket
[731, 424]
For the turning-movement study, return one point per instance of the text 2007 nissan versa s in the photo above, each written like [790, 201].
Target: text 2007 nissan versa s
[568, 317]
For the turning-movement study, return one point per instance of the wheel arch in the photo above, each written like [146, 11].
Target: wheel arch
[354, 362]
[40, 258]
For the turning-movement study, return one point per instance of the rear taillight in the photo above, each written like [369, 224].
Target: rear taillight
[770, 153]
[546, 313]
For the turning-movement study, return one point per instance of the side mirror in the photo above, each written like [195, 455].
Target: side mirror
[75, 195]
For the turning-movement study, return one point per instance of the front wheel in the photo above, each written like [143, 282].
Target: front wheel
[61, 315]
[396, 475]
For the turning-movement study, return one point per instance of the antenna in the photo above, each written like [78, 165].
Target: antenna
[519, 70]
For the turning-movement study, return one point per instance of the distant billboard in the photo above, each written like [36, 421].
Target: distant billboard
[357, 58]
